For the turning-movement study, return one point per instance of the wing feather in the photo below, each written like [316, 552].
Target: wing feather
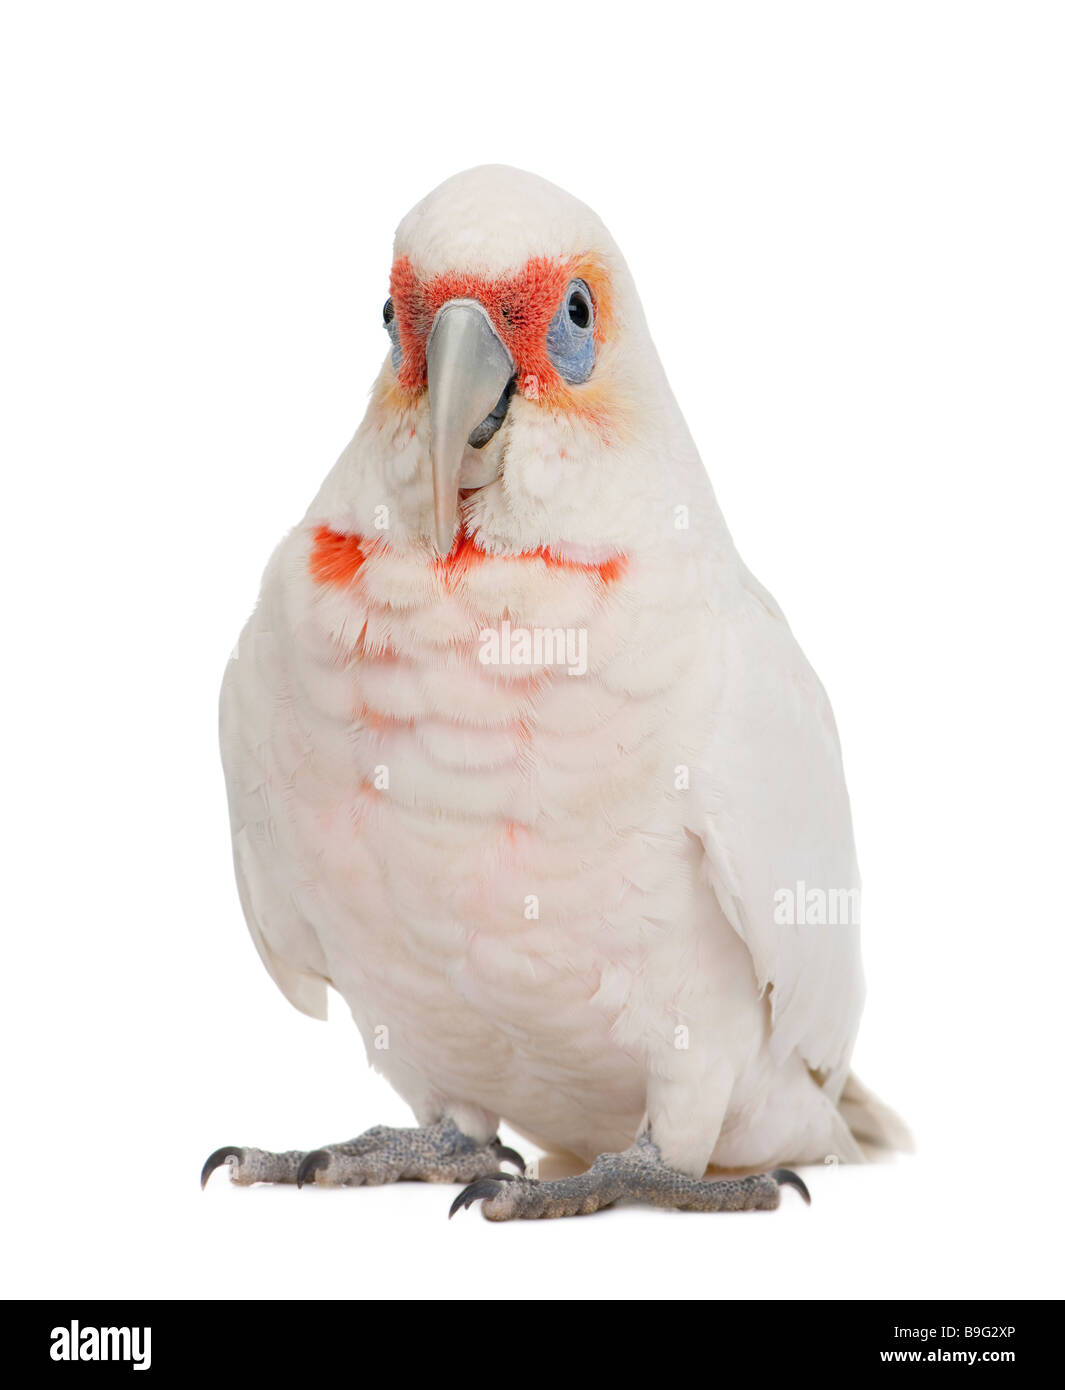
[774, 819]
[256, 703]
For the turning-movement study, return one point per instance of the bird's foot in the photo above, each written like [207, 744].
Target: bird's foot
[437, 1153]
[639, 1175]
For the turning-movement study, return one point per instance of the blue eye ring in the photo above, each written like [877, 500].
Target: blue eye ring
[571, 334]
[388, 313]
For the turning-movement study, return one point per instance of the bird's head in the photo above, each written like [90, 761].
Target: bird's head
[521, 400]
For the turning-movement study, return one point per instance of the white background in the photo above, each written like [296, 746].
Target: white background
[847, 224]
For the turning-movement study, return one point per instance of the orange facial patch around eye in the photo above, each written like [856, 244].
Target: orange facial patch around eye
[521, 307]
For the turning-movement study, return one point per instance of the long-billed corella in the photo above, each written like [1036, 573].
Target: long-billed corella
[525, 764]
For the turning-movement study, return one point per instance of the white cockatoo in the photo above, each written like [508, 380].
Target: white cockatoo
[525, 764]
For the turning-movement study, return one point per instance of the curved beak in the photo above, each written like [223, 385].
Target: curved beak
[469, 370]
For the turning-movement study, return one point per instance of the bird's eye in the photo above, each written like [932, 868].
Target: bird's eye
[389, 316]
[570, 336]
[578, 308]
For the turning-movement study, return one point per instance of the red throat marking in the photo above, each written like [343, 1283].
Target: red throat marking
[336, 559]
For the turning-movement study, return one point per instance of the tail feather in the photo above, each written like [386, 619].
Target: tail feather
[874, 1124]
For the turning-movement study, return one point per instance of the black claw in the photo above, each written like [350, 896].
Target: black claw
[506, 1155]
[314, 1162]
[483, 1187]
[784, 1177]
[216, 1160]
